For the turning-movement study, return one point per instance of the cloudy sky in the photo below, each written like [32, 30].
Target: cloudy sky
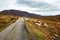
[41, 7]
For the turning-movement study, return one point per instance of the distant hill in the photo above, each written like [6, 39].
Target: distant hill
[19, 13]
[31, 15]
[51, 18]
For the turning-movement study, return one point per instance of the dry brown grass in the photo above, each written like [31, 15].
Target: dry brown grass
[6, 20]
[51, 32]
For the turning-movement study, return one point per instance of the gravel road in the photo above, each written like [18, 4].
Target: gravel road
[15, 31]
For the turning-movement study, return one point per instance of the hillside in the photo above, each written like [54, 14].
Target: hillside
[43, 29]
[36, 26]
[31, 15]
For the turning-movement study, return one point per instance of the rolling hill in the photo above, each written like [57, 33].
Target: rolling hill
[31, 15]
[38, 27]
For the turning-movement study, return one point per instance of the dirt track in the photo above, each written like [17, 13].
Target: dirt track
[15, 31]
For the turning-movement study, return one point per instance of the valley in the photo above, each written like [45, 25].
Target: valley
[19, 25]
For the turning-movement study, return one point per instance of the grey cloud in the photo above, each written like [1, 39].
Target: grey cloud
[41, 6]
[34, 4]
[47, 10]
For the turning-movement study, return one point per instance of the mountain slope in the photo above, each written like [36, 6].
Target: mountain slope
[31, 15]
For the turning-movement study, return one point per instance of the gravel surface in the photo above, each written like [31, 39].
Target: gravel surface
[15, 31]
